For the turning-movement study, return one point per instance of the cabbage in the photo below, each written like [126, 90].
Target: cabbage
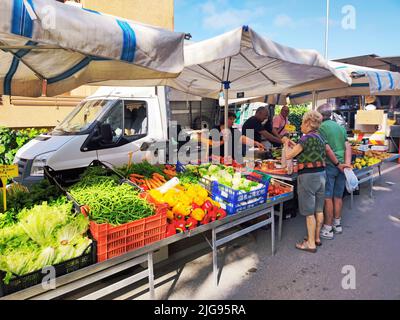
[18, 262]
[72, 230]
[40, 222]
[44, 259]
[45, 235]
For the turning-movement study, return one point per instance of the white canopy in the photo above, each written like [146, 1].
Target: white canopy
[45, 41]
[366, 81]
[246, 62]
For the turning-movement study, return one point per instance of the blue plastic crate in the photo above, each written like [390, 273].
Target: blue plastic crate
[231, 208]
[230, 195]
[180, 167]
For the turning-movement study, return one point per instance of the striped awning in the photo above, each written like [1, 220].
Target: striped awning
[49, 47]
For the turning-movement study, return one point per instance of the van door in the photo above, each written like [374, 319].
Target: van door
[129, 121]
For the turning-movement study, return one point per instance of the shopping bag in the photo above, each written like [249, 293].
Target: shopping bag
[351, 180]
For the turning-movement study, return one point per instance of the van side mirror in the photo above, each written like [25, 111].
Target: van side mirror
[145, 146]
[106, 133]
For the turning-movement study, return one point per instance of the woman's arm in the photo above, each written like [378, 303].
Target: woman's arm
[294, 152]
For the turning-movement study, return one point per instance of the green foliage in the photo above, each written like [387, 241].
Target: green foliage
[296, 114]
[12, 140]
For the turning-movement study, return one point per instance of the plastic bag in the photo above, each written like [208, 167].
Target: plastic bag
[351, 180]
[340, 120]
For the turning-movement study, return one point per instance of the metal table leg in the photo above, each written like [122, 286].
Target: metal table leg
[272, 231]
[215, 256]
[151, 275]
[371, 184]
[280, 221]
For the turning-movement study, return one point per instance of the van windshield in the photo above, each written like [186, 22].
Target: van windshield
[82, 117]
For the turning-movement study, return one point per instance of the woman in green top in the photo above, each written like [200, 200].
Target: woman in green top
[311, 154]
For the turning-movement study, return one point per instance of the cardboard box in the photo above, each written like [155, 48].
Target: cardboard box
[373, 117]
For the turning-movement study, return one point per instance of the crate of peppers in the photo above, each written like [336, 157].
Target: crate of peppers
[122, 218]
[189, 206]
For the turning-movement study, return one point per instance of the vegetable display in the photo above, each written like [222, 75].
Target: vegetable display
[189, 207]
[19, 197]
[226, 176]
[146, 175]
[44, 235]
[105, 201]
[154, 182]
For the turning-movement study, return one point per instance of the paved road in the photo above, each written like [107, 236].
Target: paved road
[370, 243]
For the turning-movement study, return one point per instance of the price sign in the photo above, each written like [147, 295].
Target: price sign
[7, 172]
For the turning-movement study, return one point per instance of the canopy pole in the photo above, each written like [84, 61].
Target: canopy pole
[314, 100]
[226, 112]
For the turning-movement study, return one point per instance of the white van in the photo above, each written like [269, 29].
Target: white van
[106, 126]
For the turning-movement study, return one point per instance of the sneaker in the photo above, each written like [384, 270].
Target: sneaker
[337, 229]
[327, 234]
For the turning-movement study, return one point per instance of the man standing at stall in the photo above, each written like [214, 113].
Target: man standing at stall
[281, 121]
[253, 128]
[336, 137]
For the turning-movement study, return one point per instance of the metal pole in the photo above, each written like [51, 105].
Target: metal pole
[226, 140]
[327, 28]
[150, 266]
[215, 256]
[314, 100]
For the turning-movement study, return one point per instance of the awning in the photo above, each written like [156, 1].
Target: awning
[47, 42]
[365, 81]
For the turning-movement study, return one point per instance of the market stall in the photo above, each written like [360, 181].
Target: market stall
[131, 212]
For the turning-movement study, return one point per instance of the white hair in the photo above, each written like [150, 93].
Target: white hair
[326, 110]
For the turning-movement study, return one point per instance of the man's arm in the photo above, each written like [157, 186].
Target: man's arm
[275, 133]
[270, 137]
[348, 154]
[251, 142]
[331, 155]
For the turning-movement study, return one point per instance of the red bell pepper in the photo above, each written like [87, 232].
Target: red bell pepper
[220, 213]
[171, 230]
[206, 219]
[191, 223]
[212, 213]
[195, 206]
[180, 225]
[207, 205]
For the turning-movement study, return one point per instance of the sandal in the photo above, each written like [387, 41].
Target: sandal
[317, 243]
[304, 247]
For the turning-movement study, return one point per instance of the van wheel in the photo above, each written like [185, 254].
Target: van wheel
[202, 123]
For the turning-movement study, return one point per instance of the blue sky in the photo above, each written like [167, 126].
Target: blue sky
[299, 23]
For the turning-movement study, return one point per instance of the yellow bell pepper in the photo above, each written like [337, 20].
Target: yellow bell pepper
[216, 204]
[198, 214]
[181, 209]
[171, 197]
[156, 195]
[199, 201]
[170, 215]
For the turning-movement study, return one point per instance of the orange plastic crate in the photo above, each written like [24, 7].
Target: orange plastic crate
[115, 241]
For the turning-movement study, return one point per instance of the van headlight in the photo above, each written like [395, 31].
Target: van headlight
[38, 164]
